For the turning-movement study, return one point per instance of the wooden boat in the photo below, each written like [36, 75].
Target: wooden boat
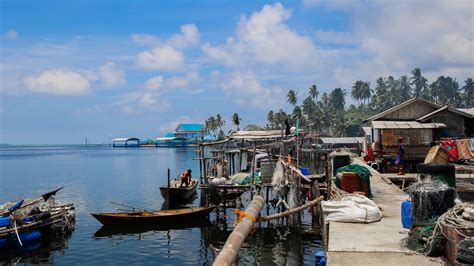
[177, 193]
[148, 217]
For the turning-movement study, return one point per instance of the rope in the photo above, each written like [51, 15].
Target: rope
[241, 215]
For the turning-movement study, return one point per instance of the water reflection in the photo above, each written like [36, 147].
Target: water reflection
[37, 253]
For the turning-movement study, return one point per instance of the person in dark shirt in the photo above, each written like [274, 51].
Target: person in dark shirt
[400, 160]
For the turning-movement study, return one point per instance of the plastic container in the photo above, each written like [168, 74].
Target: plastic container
[305, 171]
[350, 182]
[407, 219]
[319, 258]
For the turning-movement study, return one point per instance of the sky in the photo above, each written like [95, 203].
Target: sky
[71, 70]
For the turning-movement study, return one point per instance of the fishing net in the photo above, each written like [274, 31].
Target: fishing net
[466, 251]
[430, 199]
[278, 175]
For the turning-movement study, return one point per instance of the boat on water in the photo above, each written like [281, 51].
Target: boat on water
[148, 217]
[31, 220]
[174, 191]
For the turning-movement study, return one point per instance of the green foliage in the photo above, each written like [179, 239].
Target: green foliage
[253, 127]
[329, 115]
[214, 124]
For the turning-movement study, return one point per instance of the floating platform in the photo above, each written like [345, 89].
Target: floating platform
[375, 243]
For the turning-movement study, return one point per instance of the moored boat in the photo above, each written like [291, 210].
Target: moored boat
[174, 192]
[149, 217]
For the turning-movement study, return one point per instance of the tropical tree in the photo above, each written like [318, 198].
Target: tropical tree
[292, 97]
[337, 100]
[313, 92]
[236, 120]
[356, 91]
[419, 83]
[445, 91]
[468, 94]
[271, 119]
[404, 89]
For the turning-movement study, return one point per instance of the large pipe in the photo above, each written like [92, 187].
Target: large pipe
[231, 248]
[292, 211]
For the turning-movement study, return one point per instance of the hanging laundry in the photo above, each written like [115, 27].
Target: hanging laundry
[465, 149]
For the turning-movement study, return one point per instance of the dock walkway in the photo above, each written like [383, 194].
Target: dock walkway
[375, 243]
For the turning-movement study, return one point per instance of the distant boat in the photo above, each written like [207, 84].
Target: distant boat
[153, 217]
[177, 193]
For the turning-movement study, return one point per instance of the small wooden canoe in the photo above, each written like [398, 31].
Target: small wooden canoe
[152, 217]
[177, 193]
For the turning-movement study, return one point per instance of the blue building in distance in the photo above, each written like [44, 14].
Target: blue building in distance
[184, 135]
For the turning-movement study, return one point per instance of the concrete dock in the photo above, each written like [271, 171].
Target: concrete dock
[375, 243]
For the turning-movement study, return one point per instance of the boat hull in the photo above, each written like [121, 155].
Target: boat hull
[159, 217]
[176, 193]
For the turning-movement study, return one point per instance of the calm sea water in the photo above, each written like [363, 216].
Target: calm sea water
[95, 176]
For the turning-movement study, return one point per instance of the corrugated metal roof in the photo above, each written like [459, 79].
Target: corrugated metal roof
[190, 127]
[453, 110]
[400, 106]
[125, 139]
[405, 125]
[467, 110]
[256, 134]
[350, 140]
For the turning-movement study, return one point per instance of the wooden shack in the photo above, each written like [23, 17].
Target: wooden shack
[419, 122]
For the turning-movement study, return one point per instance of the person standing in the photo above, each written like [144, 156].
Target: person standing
[400, 160]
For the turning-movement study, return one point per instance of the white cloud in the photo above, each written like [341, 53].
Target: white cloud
[164, 58]
[189, 36]
[154, 83]
[189, 81]
[58, 82]
[11, 35]
[112, 75]
[246, 89]
[335, 37]
[172, 125]
[264, 39]
[143, 38]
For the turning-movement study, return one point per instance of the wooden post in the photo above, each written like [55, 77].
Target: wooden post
[231, 248]
[169, 184]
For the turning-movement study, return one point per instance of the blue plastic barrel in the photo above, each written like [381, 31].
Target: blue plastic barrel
[5, 221]
[406, 214]
[304, 170]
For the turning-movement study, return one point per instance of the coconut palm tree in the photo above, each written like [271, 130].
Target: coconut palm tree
[292, 97]
[236, 120]
[356, 91]
[468, 93]
[419, 83]
[337, 100]
[313, 92]
[271, 119]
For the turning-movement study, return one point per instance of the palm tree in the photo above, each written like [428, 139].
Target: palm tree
[313, 92]
[356, 91]
[292, 97]
[337, 100]
[271, 119]
[404, 88]
[219, 121]
[468, 93]
[445, 91]
[365, 91]
[236, 120]
[419, 82]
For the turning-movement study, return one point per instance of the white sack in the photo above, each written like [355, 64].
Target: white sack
[351, 209]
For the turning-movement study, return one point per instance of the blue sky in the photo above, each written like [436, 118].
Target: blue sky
[103, 69]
